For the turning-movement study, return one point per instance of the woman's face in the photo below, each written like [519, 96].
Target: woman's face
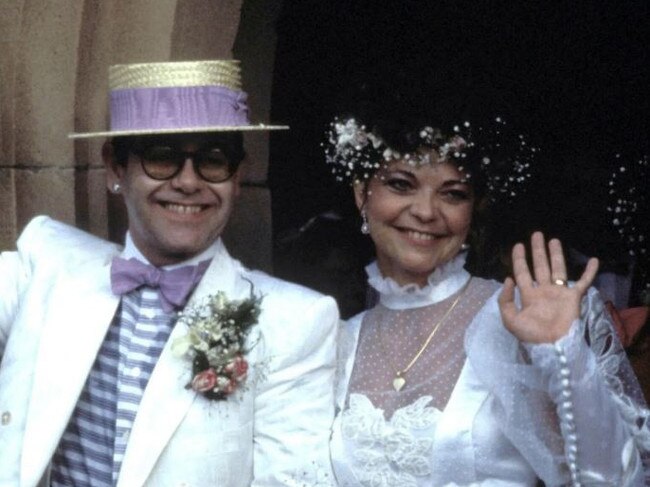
[418, 216]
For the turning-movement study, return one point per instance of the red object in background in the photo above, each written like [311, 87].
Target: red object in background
[628, 322]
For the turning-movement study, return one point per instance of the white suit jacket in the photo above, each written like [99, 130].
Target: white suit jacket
[55, 308]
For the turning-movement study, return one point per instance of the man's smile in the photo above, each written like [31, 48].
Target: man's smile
[183, 209]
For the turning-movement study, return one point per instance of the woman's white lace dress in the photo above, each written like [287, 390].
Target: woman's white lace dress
[478, 407]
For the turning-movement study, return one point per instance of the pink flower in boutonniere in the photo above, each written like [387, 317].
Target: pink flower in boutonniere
[216, 343]
[225, 382]
[237, 368]
[205, 381]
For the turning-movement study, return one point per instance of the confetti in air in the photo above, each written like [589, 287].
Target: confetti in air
[628, 203]
[629, 209]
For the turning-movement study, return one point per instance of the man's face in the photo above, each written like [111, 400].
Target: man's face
[175, 219]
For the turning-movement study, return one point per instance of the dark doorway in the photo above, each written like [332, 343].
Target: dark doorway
[573, 76]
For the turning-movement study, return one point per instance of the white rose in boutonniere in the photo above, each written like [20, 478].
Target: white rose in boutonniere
[215, 342]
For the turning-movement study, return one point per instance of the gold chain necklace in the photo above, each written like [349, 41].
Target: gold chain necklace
[399, 381]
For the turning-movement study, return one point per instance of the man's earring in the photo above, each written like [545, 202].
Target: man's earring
[465, 246]
[364, 225]
[116, 188]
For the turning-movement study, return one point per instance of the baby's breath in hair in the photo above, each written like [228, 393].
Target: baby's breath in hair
[356, 153]
[351, 150]
[502, 159]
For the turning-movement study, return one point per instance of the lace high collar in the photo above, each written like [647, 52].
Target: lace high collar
[444, 281]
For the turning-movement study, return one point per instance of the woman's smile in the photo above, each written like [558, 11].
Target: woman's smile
[418, 217]
[418, 236]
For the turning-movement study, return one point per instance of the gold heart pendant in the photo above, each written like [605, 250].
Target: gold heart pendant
[398, 383]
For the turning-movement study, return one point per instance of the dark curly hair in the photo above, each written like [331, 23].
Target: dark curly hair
[496, 159]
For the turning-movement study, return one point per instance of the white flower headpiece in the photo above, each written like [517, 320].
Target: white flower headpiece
[355, 153]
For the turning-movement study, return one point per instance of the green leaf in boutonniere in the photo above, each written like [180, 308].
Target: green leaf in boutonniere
[215, 342]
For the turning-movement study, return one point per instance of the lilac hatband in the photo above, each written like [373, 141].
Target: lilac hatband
[177, 108]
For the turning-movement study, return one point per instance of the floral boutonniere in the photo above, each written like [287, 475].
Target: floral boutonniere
[217, 330]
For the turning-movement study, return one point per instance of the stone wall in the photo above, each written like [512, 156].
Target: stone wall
[53, 81]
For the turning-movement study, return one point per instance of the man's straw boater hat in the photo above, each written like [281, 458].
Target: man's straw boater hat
[176, 97]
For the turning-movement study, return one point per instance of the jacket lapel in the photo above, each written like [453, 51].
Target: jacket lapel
[348, 340]
[77, 315]
[165, 401]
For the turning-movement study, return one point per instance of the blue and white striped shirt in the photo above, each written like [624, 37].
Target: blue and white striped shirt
[91, 450]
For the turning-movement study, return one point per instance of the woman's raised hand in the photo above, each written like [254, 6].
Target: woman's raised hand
[548, 306]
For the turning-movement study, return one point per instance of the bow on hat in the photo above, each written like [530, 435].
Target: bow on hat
[177, 97]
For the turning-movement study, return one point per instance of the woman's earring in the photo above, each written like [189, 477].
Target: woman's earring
[364, 226]
[116, 188]
[464, 246]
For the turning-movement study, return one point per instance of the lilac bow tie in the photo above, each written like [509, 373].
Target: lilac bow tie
[174, 286]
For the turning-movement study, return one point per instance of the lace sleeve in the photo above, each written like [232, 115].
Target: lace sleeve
[617, 370]
[574, 408]
[603, 416]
